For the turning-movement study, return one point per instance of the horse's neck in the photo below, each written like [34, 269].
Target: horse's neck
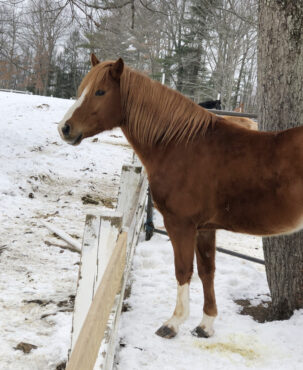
[144, 152]
[151, 142]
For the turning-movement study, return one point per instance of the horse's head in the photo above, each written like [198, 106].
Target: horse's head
[98, 107]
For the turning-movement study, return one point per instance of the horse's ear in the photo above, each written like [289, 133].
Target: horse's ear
[116, 69]
[94, 60]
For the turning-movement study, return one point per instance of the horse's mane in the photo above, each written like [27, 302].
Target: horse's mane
[154, 113]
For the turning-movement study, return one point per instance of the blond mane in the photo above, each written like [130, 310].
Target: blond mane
[153, 112]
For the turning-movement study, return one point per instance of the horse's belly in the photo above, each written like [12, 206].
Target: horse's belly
[265, 218]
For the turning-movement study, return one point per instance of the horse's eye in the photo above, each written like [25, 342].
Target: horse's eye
[100, 92]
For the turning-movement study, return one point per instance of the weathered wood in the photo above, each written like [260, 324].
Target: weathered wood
[133, 234]
[62, 246]
[98, 244]
[87, 274]
[74, 245]
[110, 228]
[129, 181]
[234, 114]
[87, 346]
[99, 240]
[136, 160]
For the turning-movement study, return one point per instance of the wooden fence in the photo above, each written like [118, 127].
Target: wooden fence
[17, 91]
[107, 250]
[234, 114]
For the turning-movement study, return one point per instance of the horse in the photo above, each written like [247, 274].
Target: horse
[243, 121]
[240, 108]
[205, 173]
[211, 104]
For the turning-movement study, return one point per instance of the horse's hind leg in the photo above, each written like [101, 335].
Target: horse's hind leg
[183, 237]
[205, 252]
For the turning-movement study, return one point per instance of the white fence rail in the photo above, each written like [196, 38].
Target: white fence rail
[17, 91]
[106, 259]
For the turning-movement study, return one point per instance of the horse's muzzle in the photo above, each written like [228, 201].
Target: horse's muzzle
[65, 133]
[66, 130]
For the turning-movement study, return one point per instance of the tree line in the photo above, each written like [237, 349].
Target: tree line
[203, 48]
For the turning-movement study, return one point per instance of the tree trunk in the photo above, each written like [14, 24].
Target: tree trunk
[280, 94]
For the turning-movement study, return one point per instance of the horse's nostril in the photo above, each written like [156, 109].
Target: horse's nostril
[66, 129]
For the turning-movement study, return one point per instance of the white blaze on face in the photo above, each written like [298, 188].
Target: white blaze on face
[71, 110]
[182, 308]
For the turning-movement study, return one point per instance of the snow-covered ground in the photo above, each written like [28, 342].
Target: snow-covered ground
[42, 178]
[239, 342]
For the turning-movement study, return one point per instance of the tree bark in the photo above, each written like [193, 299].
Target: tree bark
[280, 95]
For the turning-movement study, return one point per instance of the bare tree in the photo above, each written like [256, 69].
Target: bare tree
[202, 47]
[45, 24]
[9, 50]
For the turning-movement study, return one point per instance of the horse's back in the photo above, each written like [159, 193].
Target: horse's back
[234, 178]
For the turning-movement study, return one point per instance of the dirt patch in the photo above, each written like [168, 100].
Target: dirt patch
[25, 347]
[88, 199]
[40, 302]
[37, 149]
[260, 313]
[106, 202]
[43, 106]
[67, 303]
[127, 293]
[61, 366]
[75, 236]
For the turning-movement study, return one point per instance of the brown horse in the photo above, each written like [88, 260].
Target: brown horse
[240, 108]
[205, 173]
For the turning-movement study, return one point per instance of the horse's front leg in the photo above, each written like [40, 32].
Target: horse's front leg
[205, 253]
[183, 236]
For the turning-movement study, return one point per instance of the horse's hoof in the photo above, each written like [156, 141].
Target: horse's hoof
[166, 332]
[200, 332]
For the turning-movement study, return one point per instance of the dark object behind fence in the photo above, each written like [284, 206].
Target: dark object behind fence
[211, 104]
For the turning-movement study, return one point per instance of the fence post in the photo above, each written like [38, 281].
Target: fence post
[99, 240]
[87, 346]
[129, 181]
[134, 184]
[99, 249]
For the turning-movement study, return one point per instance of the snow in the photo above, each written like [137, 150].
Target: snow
[42, 178]
[239, 341]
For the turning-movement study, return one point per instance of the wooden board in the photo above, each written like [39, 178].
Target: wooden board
[99, 240]
[88, 343]
[109, 344]
[99, 244]
[87, 274]
[129, 181]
